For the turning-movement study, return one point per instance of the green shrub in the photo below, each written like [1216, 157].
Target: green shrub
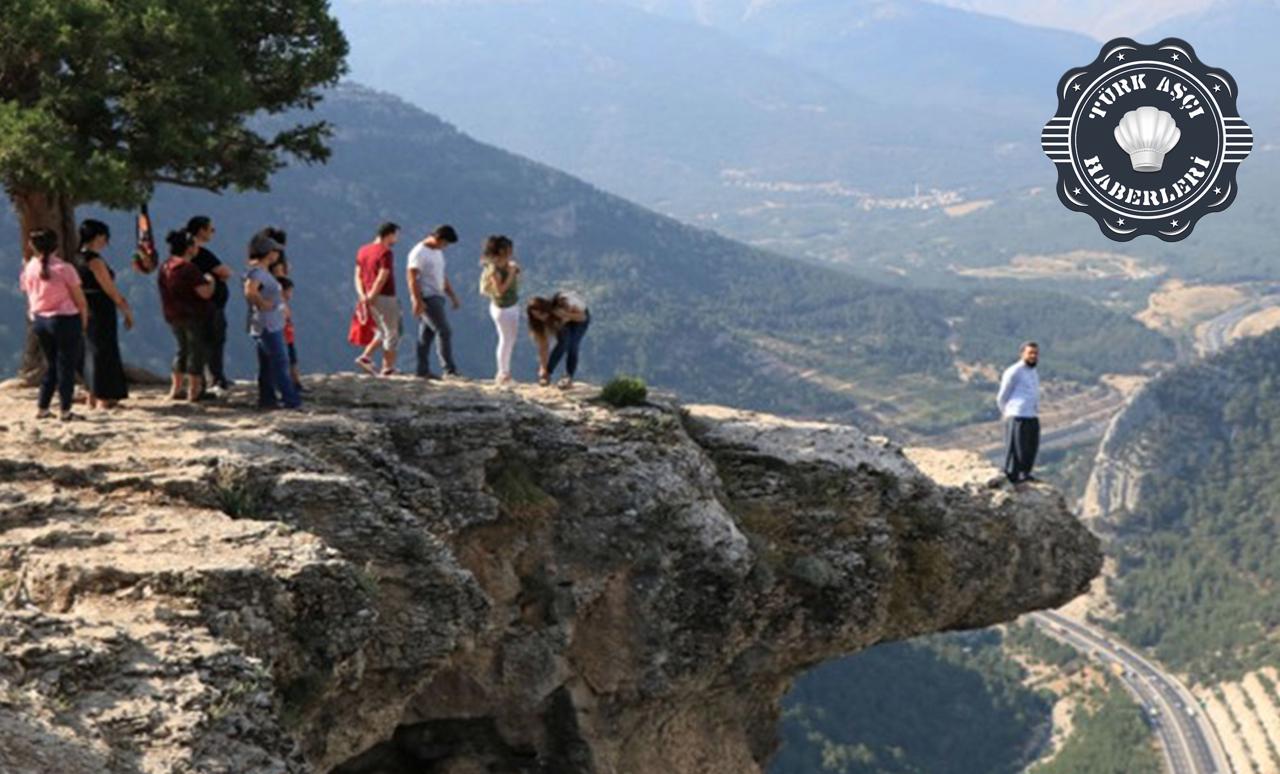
[625, 391]
[239, 495]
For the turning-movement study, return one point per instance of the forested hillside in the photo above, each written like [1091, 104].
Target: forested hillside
[690, 311]
[945, 705]
[1200, 553]
[1112, 738]
[675, 114]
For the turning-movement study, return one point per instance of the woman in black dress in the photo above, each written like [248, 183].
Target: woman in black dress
[104, 370]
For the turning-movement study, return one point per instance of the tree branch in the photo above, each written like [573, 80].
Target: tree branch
[184, 183]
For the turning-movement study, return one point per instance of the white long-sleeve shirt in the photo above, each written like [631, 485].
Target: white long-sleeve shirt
[1019, 394]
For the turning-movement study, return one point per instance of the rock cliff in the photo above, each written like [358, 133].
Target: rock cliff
[1115, 481]
[413, 578]
[1185, 404]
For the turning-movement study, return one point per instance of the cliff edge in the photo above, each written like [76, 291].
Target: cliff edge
[457, 579]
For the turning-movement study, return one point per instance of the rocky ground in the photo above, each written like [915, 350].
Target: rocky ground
[453, 578]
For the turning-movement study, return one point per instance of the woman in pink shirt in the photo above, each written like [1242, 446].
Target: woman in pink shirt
[59, 316]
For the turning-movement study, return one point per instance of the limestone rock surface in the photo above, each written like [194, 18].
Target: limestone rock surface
[455, 579]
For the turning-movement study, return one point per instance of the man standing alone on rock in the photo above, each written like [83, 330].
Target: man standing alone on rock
[1019, 402]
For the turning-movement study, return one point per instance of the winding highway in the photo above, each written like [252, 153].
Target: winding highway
[1188, 740]
[1211, 335]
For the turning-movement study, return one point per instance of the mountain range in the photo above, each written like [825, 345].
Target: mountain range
[685, 308]
[766, 123]
[1101, 19]
[876, 135]
[1195, 537]
[646, 104]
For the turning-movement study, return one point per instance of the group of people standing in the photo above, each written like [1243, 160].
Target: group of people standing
[75, 309]
[377, 324]
[194, 291]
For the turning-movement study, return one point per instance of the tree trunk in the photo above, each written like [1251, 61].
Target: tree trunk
[38, 210]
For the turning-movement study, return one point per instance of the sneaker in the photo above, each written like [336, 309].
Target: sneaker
[565, 383]
[366, 365]
[430, 377]
[69, 416]
[44, 414]
[389, 372]
[453, 376]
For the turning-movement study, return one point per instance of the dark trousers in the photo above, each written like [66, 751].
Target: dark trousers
[1023, 435]
[275, 385]
[103, 368]
[192, 337]
[568, 342]
[432, 324]
[217, 346]
[61, 340]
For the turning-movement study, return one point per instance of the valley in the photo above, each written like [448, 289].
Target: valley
[838, 210]
[916, 362]
[1190, 743]
[1197, 540]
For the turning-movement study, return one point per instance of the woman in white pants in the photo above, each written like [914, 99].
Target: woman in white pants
[500, 281]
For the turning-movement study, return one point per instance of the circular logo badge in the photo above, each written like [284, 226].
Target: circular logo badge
[1147, 139]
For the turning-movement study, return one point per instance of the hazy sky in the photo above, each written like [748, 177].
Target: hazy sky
[1102, 19]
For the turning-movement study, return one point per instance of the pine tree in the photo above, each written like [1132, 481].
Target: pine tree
[102, 100]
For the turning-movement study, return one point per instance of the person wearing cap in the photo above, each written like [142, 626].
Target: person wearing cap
[265, 297]
[428, 288]
[1019, 403]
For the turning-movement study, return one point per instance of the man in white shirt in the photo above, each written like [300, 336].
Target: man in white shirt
[428, 286]
[1019, 402]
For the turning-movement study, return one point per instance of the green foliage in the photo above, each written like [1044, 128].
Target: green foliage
[1028, 639]
[1078, 340]
[238, 494]
[1113, 739]
[99, 99]
[1199, 559]
[943, 705]
[1068, 469]
[708, 318]
[624, 391]
[517, 490]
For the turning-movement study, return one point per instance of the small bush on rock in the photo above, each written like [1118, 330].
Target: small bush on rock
[625, 391]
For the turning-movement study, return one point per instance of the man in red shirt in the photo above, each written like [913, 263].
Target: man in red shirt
[376, 288]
